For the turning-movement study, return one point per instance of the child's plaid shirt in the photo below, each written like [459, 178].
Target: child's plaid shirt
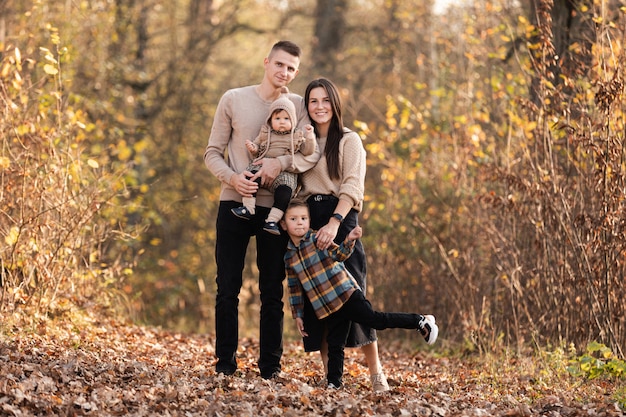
[319, 275]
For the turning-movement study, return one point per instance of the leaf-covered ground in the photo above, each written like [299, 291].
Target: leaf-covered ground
[107, 368]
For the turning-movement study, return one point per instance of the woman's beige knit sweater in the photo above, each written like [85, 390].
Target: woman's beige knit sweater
[351, 185]
[239, 116]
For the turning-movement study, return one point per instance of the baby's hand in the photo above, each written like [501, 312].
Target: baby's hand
[308, 129]
[355, 233]
[252, 148]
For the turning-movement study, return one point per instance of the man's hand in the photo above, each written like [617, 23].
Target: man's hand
[244, 186]
[270, 168]
[300, 326]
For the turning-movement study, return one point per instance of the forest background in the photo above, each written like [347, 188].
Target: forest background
[494, 133]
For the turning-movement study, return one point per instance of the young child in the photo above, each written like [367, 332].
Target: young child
[277, 137]
[336, 298]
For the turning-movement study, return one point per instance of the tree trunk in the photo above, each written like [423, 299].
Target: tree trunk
[329, 31]
[561, 27]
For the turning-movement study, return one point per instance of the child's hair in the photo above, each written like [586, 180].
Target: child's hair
[278, 110]
[297, 203]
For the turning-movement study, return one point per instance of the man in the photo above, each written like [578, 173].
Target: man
[239, 115]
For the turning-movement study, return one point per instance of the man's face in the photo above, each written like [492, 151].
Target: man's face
[281, 68]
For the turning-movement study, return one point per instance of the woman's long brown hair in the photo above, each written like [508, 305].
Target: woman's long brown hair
[335, 131]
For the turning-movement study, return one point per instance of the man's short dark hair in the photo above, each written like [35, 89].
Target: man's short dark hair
[287, 46]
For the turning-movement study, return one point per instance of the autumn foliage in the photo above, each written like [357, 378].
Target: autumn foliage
[59, 199]
[494, 132]
[501, 193]
[494, 199]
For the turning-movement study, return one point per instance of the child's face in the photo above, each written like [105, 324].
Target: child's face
[296, 221]
[281, 121]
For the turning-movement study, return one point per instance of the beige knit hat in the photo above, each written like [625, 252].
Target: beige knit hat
[283, 103]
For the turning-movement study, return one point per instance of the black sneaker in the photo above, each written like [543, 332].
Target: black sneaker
[278, 377]
[242, 212]
[274, 375]
[225, 370]
[271, 227]
[429, 329]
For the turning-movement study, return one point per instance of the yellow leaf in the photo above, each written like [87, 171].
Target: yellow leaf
[74, 171]
[462, 119]
[49, 69]
[140, 146]
[50, 58]
[12, 237]
[5, 70]
[92, 163]
[93, 257]
[4, 162]
[548, 84]
[123, 151]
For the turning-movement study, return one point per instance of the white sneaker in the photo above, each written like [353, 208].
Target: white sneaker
[428, 329]
[379, 382]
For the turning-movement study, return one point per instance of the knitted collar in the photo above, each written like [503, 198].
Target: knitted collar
[276, 132]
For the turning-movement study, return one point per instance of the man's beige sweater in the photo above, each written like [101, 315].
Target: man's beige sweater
[239, 116]
[351, 184]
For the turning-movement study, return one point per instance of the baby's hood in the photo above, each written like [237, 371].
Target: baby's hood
[283, 103]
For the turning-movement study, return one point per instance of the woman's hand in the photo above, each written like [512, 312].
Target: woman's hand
[300, 326]
[327, 234]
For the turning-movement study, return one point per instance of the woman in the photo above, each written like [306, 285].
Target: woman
[334, 189]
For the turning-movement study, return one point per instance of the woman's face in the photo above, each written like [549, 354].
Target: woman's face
[319, 108]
